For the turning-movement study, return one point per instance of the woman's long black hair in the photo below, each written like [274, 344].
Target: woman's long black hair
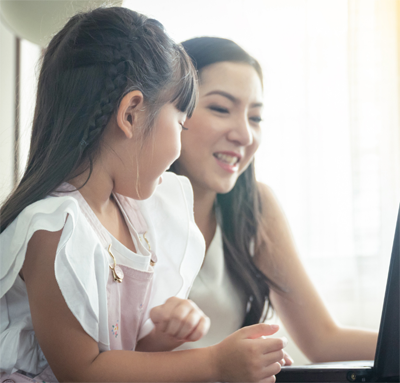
[238, 211]
[88, 67]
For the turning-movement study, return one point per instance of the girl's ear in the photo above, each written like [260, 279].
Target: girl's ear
[129, 112]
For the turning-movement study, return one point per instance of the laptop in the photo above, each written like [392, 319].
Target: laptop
[385, 367]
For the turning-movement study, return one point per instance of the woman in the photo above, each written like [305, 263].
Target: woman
[251, 263]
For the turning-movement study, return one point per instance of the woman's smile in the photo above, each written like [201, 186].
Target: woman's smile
[228, 161]
[225, 128]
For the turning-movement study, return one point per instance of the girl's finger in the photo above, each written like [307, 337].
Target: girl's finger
[159, 319]
[273, 357]
[200, 330]
[161, 315]
[272, 344]
[270, 379]
[258, 330]
[272, 369]
[189, 324]
[177, 318]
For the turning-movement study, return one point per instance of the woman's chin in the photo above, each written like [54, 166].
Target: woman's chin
[224, 186]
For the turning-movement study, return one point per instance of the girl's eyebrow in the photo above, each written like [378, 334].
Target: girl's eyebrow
[232, 98]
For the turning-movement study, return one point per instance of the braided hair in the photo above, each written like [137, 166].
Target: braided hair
[88, 67]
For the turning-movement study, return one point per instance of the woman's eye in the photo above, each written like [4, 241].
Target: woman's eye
[219, 109]
[256, 119]
[183, 128]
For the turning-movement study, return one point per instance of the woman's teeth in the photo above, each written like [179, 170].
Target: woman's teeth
[231, 160]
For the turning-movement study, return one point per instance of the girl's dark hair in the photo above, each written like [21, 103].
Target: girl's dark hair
[238, 211]
[88, 67]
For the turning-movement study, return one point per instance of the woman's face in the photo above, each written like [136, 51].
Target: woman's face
[224, 130]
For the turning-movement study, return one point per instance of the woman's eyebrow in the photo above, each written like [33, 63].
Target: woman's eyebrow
[224, 94]
[232, 98]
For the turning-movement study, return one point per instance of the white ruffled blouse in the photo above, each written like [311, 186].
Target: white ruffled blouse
[82, 266]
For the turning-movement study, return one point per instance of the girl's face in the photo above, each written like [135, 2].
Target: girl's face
[224, 130]
[161, 148]
[143, 162]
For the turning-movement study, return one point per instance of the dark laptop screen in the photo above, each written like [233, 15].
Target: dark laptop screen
[387, 357]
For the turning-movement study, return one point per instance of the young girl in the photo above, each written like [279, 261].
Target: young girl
[83, 294]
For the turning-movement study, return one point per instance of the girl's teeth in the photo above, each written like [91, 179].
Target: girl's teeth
[231, 160]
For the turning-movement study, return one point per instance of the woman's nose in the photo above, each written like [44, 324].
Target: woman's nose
[241, 133]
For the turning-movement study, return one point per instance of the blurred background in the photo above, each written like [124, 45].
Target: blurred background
[331, 145]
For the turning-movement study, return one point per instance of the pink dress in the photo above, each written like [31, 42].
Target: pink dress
[129, 284]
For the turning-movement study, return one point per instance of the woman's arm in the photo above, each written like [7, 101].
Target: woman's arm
[74, 356]
[301, 309]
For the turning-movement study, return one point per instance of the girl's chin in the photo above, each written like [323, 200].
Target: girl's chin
[147, 192]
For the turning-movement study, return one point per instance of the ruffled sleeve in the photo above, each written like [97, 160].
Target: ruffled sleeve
[80, 269]
[175, 239]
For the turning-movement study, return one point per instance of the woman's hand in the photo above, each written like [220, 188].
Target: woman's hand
[175, 322]
[245, 356]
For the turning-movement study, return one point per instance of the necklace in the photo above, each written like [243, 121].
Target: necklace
[117, 272]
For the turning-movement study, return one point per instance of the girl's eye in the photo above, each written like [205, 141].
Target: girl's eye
[219, 109]
[256, 119]
[183, 128]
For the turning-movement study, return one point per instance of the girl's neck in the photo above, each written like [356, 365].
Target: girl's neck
[97, 191]
[98, 194]
[204, 213]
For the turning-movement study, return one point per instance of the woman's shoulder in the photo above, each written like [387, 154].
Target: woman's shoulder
[275, 232]
[266, 192]
[271, 208]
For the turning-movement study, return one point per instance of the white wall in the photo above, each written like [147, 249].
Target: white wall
[29, 71]
[7, 97]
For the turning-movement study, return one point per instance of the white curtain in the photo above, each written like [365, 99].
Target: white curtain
[332, 145]
[331, 148]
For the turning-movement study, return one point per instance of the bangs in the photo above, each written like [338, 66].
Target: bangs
[185, 91]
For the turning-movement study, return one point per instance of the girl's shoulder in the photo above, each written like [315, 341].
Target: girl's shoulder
[170, 209]
[172, 203]
[173, 187]
[175, 239]
[48, 214]
[78, 249]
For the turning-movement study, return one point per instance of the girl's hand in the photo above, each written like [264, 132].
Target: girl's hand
[180, 319]
[245, 356]
[175, 322]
